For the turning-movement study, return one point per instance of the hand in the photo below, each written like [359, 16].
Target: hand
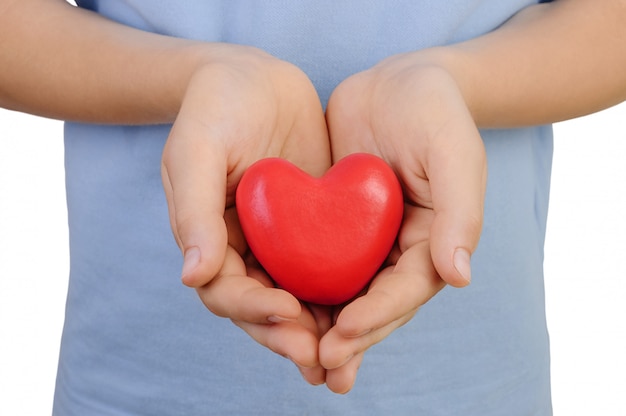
[241, 106]
[414, 116]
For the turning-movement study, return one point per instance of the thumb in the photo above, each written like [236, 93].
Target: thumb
[458, 184]
[194, 172]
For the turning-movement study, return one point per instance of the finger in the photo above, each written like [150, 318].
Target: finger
[323, 316]
[313, 375]
[232, 294]
[322, 321]
[296, 340]
[194, 177]
[457, 174]
[392, 299]
[289, 339]
[336, 350]
[341, 380]
[394, 293]
[271, 316]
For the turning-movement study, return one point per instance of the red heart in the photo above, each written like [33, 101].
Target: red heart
[321, 239]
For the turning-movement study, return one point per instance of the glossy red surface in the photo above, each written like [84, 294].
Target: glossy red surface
[321, 239]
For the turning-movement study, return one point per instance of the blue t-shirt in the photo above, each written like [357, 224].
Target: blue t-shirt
[137, 342]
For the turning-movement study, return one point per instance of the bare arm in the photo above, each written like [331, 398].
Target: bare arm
[549, 63]
[420, 112]
[65, 62]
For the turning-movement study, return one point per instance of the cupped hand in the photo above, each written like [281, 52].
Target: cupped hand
[412, 114]
[240, 106]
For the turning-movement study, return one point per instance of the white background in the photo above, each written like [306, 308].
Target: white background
[585, 263]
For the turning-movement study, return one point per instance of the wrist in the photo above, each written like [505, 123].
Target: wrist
[446, 64]
[192, 62]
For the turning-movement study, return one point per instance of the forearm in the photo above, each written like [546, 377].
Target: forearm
[550, 62]
[63, 62]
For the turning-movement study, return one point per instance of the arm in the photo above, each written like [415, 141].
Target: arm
[420, 112]
[63, 62]
[68, 63]
[555, 61]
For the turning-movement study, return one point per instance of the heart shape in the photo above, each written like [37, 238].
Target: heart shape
[321, 239]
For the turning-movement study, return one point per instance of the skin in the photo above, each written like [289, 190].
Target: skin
[555, 61]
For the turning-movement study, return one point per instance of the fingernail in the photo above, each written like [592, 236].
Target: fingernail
[275, 319]
[191, 261]
[462, 263]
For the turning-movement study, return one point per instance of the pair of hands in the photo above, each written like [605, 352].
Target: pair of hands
[247, 105]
